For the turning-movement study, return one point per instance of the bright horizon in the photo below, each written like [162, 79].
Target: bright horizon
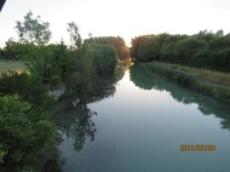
[125, 18]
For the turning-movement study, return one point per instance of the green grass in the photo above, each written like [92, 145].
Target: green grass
[13, 65]
[213, 83]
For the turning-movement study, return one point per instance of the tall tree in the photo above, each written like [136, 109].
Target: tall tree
[74, 35]
[33, 30]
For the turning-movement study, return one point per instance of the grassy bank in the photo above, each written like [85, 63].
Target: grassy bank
[212, 83]
[11, 65]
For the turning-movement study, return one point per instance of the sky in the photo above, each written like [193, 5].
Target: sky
[125, 18]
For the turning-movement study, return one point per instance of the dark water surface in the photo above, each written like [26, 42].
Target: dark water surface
[138, 125]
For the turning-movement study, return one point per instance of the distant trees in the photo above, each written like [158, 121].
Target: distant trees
[103, 57]
[33, 30]
[116, 42]
[205, 49]
[16, 50]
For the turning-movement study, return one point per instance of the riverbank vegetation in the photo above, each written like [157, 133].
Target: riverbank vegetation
[86, 71]
[200, 61]
[212, 83]
[204, 50]
[26, 131]
[25, 134]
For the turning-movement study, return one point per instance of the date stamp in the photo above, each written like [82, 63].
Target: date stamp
[197, 148]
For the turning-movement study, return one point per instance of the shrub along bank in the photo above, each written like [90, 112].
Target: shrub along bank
[215, 84]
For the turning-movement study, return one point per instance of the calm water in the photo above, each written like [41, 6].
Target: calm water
[139, 125]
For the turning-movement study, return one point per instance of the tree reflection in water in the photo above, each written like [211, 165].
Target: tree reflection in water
[83, 126]
[144, 78]
[74, 118]
[71, 113]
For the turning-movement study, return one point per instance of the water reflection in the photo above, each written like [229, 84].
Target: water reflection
[141, 130]
[93, 89]
[72, 115]
[76, 122]
[146, 79]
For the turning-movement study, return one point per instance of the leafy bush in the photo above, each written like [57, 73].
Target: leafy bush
[24, 134]
[25, 86]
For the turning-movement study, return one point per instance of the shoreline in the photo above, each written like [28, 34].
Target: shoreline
[211, 83]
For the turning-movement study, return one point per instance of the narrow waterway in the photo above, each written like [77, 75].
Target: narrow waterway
[140, 126]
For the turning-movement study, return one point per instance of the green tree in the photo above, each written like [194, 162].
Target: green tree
[75, 36]
[116, 42]
[17, 50]
[100, 59]
[33, 30]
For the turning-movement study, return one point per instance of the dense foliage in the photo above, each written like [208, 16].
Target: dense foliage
[205, 49]
[25, 86]
[95, 62]
[54, 63]
[16, 50]
[25, 134]
[102, 56]
[116, 42]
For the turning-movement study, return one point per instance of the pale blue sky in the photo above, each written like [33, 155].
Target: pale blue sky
[127, 18]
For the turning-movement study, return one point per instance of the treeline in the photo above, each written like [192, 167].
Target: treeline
[26, 132]
[55, 63]
[116, 42]
[15, 50]
[205, 49]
